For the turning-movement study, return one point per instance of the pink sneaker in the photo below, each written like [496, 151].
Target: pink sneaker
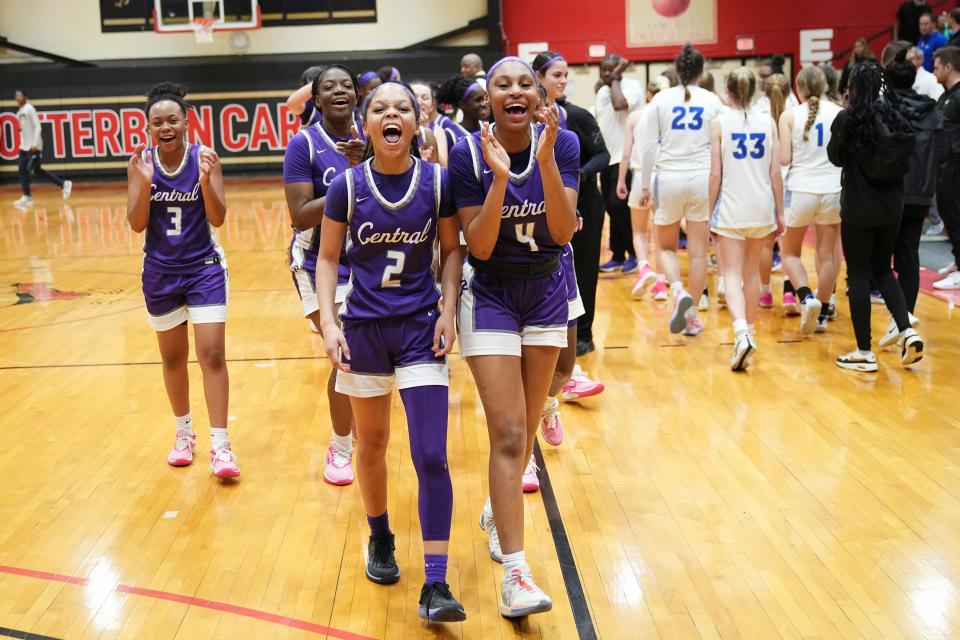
[791, 306]
[182, 453]
[766, 300]
[531, 482]
[694, 326]
[224, 463]
[659, 291]
[643, 282]
[551, 426]
[580, 386]
[339, 468]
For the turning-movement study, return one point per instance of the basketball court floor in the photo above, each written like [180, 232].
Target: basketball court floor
[795, 501]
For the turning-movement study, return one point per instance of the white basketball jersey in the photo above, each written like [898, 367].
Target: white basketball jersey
[746, 194]
[810, 169]
[683, 129]
[639, 131]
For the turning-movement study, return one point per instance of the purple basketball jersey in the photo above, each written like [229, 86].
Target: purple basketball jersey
[179, 237]
[392, 225]
[312, 156]
[454, 130]
[524, 235]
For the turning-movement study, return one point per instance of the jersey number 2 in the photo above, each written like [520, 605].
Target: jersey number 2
[525, 235]
[176, 221]
[696, 118]
[395, 269]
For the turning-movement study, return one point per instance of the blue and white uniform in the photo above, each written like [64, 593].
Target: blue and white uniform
[812, 194]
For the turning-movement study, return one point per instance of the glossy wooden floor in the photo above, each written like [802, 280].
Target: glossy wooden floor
[796, 501]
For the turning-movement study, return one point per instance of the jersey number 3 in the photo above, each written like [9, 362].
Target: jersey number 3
[696, 118]
[176, 221]
[391, 275]
[741, 139]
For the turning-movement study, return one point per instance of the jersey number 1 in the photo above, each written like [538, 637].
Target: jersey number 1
[176, 221]
[392, 270]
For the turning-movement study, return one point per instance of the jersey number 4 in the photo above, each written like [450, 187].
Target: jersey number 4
[176, 221]
[741, 139]
[525, 235]
[391, 275]
[695, 121]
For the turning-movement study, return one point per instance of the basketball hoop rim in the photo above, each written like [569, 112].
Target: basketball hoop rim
[193, 27]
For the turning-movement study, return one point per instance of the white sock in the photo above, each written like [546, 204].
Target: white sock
[551, 403]
[676, 288]
[344, 443]
[184, 424]
[644, 263]
[765, 288]
[864, 354]
[219, 438]
[511, 561]
[740, 327]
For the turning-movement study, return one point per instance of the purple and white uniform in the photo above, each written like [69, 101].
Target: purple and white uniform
[574, 301]
[184, 269]
[312, 157]
[454, 130]
[519, 296]
[390, 309]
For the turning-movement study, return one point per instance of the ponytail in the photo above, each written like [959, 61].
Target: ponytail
[811, 83]
[689, 66]
[813, 107]
[741, 85]
[777, 88]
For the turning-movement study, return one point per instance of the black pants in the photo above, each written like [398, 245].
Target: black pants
[948, 203]
[621, 232]
[868, 252]
[906, 253]
[30, 161]
[586, 254]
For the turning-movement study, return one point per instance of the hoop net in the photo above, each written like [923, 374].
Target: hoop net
[203, 30]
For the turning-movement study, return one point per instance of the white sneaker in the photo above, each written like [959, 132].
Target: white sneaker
[682, 301]
[67, 188]
[488, 525]
[744, 350]
[950, 283]
[947, 270]
[704, 303]
[821, 326]
[856, 361]
[911, 347]
[892, 336]
[23, 203]
[810, 315]
[520, 596]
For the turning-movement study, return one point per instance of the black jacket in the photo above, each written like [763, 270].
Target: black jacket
[949, 107]
[594, 156]
[863, 202]
[920, 183]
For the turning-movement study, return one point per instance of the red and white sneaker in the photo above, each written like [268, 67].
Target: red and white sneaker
[580, 386]
[182, 453]
[645, 279]
[694, 326]
[551, 426]
[659, 291]
[531, 482]
[520, 596]
[224, 463]
[339, 468]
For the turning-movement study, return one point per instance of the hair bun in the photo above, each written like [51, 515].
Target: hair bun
[167, 89]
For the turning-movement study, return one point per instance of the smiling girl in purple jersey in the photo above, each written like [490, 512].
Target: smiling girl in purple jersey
[515, 188]
[390, 210]
[314, 157]
[471, 99]
[175, 193]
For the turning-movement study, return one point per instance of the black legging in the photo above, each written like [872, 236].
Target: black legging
[906, 253]
[868, 252]
[948, 203]
[586, 251]
[31, 160]
[621, 232]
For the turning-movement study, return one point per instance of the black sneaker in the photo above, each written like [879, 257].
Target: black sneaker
[584, 347]
[381, 565]
[437, 604]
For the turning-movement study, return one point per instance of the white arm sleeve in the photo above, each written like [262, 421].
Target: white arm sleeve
[651, 140]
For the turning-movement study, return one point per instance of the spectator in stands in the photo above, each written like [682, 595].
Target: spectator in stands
[930, 40]
[926, 83]
[908, 20]
[947, 70]
[860, 53]
[471, 67]
[953, 21]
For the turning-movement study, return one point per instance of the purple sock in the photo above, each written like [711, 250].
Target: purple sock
[435, 566]
[379, 525]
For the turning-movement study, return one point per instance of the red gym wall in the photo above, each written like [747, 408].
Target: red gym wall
[570, 26]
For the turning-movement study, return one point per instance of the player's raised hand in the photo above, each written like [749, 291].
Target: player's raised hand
[353, 148]
[208, 162]
[140, 166]
[494, 154]
[551, 121]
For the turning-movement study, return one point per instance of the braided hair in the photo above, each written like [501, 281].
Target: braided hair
[870, 97]
[811, 83]
[689, 68]
[167, 91]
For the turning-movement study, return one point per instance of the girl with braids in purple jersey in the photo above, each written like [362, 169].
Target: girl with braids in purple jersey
[314, 157]
[175, 193]
[515, 188]
[471, 98]
[568, 379]
[390, 210]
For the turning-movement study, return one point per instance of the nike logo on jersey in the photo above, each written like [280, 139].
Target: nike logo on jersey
[486, 171]
[319, 151]
[359, 200]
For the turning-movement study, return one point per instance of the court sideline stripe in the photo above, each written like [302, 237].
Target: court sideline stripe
[23, 635]
[568, 564]
[190, 601]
